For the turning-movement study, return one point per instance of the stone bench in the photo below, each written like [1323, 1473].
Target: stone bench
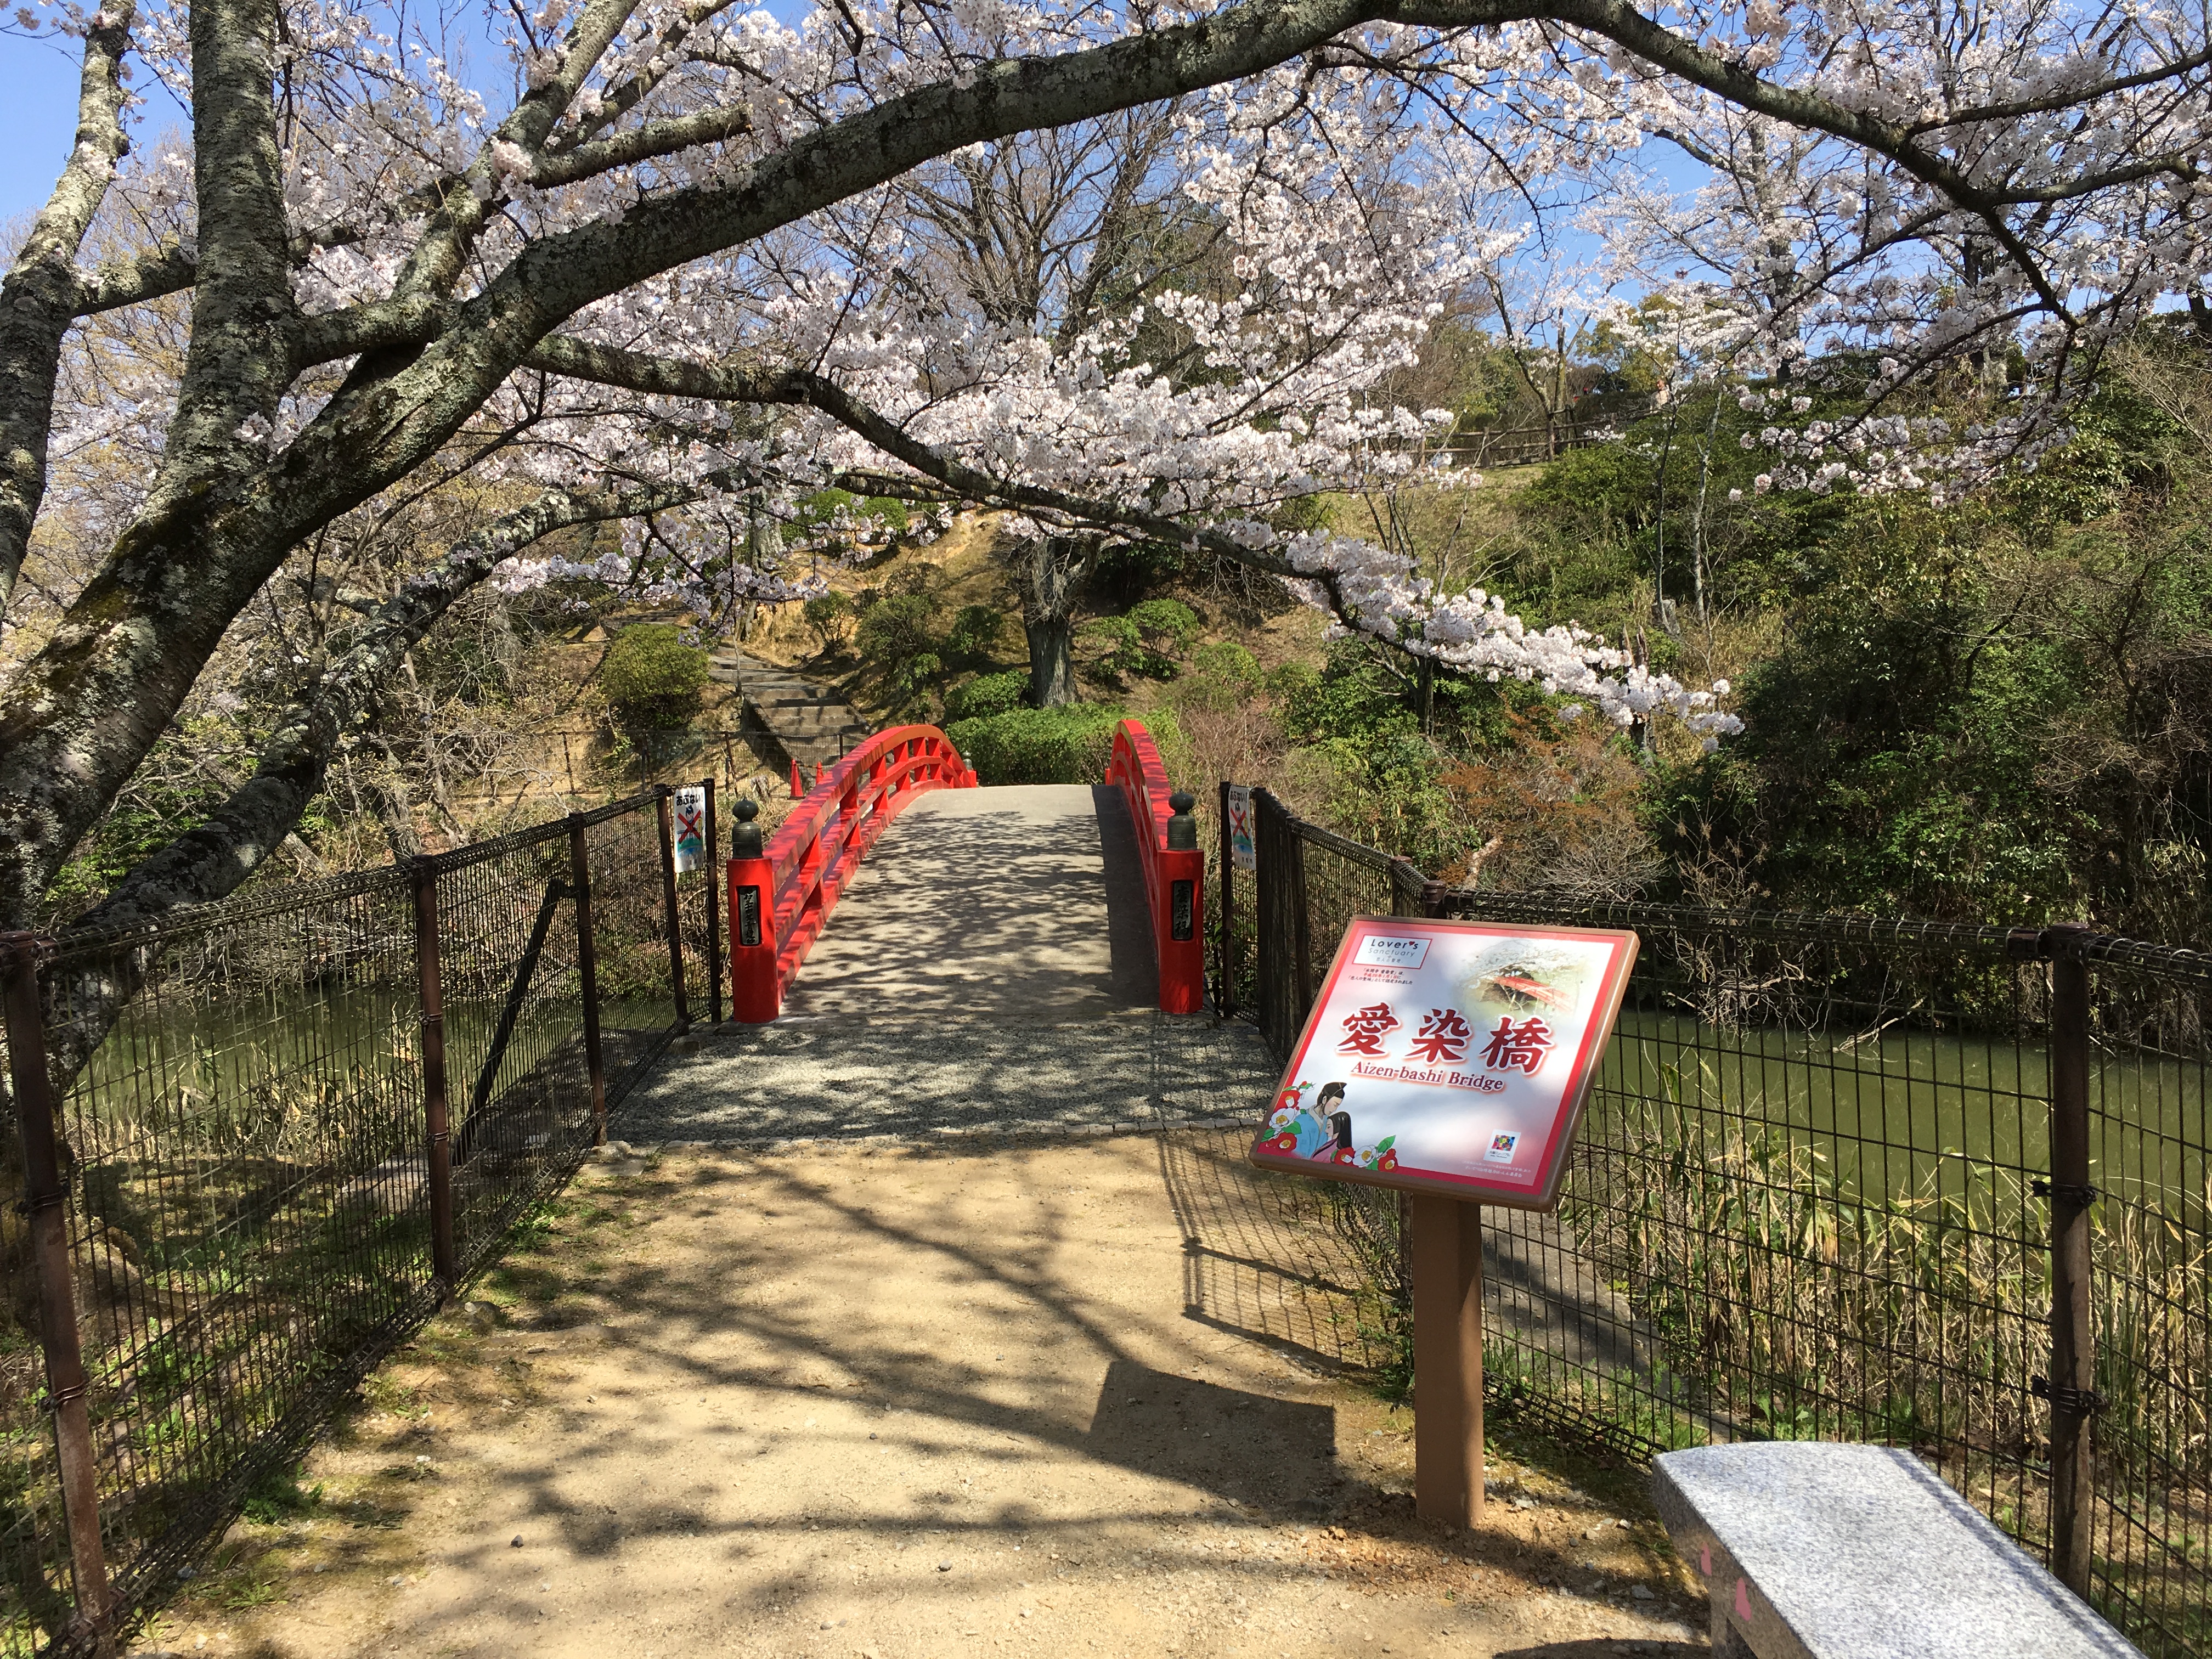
[1810, 1550]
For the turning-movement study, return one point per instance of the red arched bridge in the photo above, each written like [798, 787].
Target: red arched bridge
[910, 954]
[1025, 899]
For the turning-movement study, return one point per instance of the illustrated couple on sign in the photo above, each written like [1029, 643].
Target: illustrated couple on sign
[1322, 1133]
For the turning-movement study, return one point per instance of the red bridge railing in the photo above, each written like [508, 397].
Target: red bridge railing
[1175, 870]
[781, 900]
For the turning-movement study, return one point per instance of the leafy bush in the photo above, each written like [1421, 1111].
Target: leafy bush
[1168, 625]
[652, 677]
[897, 637]
[987, 695]
[828, 616]
[1068, 745]
[1223, 675]
[1072, 744]
[974, 633]
[896, 628]
[1145, 642]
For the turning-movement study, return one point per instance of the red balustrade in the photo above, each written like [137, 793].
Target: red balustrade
[1175, 876]
[781, 901]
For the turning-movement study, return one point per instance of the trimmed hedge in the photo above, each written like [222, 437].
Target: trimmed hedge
[1070, 744]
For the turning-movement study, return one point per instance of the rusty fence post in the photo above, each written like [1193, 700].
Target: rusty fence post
[587, 974]
[2071, 1388]
[714, 918]
[437, 1129]
[45, 1201]
[675, 920]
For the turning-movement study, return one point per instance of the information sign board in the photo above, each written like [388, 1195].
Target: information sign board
[690, 820]
[1241, 853]
[1449, 1057]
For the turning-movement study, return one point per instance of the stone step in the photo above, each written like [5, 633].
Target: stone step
[812, 725]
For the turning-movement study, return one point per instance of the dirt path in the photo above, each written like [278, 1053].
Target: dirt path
[896, 1402]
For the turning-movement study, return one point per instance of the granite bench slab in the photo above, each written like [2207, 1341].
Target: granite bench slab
[1811, 1550]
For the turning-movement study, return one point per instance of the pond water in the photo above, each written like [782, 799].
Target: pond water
[1906, 1112]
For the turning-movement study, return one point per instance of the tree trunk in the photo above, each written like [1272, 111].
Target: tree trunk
[1052, 660]
[1050, 572]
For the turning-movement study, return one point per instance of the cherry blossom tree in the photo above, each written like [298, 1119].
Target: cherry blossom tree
[690, 273]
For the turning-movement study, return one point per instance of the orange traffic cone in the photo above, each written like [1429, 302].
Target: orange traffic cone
[797, 790]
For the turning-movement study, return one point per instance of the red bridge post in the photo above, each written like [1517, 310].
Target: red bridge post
[755, 992]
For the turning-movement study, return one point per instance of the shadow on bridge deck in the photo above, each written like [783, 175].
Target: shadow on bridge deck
[1022, 901]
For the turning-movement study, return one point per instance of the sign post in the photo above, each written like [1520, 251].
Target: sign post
[1448, 1060]
[1447, 1263]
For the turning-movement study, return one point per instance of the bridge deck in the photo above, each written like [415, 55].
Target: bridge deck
[990, 968]
[1023, 902]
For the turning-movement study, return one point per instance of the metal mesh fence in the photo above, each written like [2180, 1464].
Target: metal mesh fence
[243, 1163]
[2149, 1261]
[1813, 1199]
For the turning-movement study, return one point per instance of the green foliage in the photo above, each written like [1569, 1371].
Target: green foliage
[1596, 493]
[277, 1496]
[829, 617]
[1301, 512]
[1223, 676]
[1895, 745]
[1144, 643]
[975, 634]
[1126, 571]
[1069, 744]
[896, 628]
[1167, 625]
[882, 517]
[897, 637]
[651, 677]
[987, 695]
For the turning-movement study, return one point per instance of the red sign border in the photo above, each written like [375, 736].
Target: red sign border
[1604, 1013]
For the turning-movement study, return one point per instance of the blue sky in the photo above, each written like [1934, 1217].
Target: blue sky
[38, 114]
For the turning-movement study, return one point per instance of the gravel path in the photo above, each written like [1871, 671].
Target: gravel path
[901, 1401]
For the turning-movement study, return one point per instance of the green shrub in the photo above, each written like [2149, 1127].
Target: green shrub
[1223, 676]
[1167, 625]
[652, 677]
[896, 628]
[1069, 744]
[897, 637]
[1145, 642]
[829, 618]
[974, 635]
[987, 695]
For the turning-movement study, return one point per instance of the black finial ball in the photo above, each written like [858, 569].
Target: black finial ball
[1183, 801]
[746, 808]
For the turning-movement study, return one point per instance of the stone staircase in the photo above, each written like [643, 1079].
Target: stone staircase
[812, 725]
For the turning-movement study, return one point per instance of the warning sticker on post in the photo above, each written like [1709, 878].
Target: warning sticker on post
[1241, 852]
[690, 822]
[1449, 1057]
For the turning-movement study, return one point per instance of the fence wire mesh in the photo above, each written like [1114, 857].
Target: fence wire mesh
[1810, 1201]
[239, 1106]
[2151, 1536]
